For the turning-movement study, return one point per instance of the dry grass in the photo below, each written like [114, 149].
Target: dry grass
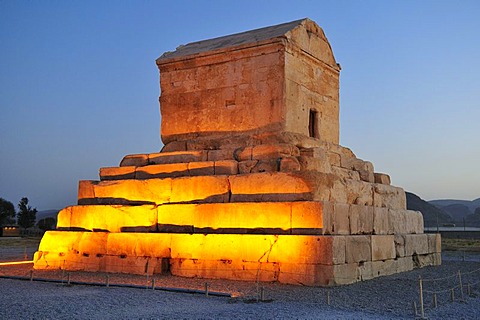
[461, 244]
[28, 242]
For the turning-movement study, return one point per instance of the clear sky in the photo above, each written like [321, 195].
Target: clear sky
[79, 86]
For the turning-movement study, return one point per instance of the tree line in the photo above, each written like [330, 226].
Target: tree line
[25, 217]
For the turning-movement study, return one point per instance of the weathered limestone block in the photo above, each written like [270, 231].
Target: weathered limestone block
[416, 244]
[399, 245]
[247, 217]
[414, 221]
[109, 218]
[358, 249]
[398, 220]
[243, 154]
[169, 170]
[204, 168]
[338, 190]
[423, 260]
[382, 178]
[125, 191]
[345, 273]
[59, 241]
[365, 169]
[345, 153]
[225, 269]
[404, 264]
[265, 152]
[384, 268]
[289, 164]
[345, 173]
[259, 248]
[219, 155]
[202, 188]
[136, 160]
[389, 197]
[306, 217]
[383, 247]
[85, 189]
[318, 153]
[177, 157]
[268, 187]
[131, 265]
[341, 218]
[246, 166]
[434, 243]
[175, 146]
[141, 245]
[381, 221]
[365, 271]
[359, 192]
[314, 164]
[266, 166]
[226, 167]
[306, 274]
[333, 159]
[92, 244]
[117, 173]
[361, 219]
[328, 218]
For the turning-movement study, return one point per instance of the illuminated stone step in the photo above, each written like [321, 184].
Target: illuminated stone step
[201, 168]
[245, 217]
[265, 186]
[259, 152]
[253, 187]
[308, 260]
[299, 217]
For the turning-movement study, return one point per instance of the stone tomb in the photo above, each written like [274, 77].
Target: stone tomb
[251, 184]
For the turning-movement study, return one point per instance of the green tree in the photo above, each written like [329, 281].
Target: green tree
[7, 212]
[26, 215]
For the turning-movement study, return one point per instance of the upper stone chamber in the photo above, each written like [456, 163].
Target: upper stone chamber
[278, 84]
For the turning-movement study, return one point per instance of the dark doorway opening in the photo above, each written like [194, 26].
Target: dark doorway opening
[313, 124]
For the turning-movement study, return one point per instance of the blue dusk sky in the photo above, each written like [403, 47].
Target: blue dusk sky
[79, 86]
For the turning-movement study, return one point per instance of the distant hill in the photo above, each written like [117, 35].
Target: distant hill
[429, 211]
[46, 214]
[471, 205]
[458, 212]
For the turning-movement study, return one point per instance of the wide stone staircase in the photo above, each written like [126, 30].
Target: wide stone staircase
[268, 212]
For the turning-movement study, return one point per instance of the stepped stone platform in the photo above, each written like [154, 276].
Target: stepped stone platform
[251, 183]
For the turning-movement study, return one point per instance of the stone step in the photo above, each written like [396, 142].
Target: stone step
[242, 218]
[302, 259]
[264, 186]
[171, 170]
[277, 186]
[259, 152]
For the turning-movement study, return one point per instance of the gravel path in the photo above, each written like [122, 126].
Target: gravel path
[388, 297]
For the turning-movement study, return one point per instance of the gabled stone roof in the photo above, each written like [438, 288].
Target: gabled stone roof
[253, 36]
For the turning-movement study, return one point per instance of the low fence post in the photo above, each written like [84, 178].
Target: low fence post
[461, 285]
[422, 311]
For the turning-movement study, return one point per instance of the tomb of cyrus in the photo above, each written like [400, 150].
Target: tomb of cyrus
[251, 183]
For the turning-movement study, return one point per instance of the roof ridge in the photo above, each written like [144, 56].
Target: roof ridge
[236, 39]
